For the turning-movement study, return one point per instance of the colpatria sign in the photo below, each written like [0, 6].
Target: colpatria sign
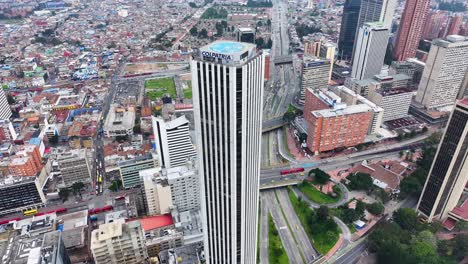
[216, 55]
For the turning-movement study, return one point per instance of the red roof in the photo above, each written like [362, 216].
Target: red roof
[156, 221]
[449, 223]
[462, 211]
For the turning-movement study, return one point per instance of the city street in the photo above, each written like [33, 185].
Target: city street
[263, 237]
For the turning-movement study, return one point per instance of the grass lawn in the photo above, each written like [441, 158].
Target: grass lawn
[156, 88]
[323, 242]
[317, 196]
[291, 109]
[276, 252]
[352, 228]
[188, 91]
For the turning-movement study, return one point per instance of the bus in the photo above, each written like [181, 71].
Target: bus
[30, 212]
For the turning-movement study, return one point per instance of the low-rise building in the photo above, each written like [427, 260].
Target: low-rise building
[74, 167]
[119, 242]
[120, 121]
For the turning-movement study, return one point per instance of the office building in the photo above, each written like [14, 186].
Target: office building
[449, 171]
[157, 192]
[377, 11]
[20, 193]
[185, 187]
[349, 22]
[173, 143]
[74, 167]
[411, 67]
[7, 132]
[119, 122]
[5, 111]
[129, 169]
[165, 240]
[118, 242]
[333, 124]
[32, 249]
[246, 34]
[30, 150]
[410, 29]
[380, 81]
[228, 84]
[369, 51]
[315, 75]
[444, 72]
[395, 102]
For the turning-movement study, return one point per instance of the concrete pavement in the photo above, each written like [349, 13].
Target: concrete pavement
[304, 244]
[263, 231]
[285, 234]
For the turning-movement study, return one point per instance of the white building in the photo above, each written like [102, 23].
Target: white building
[157, 192]
[377, 11]
[5, 111]
[395, 102]
[185, 187]
[74, 167]
[315, 75]
[7, 132]
[119, 242]
[119, 122]
[173, 143]
[369, 52]
[444, 72]
[228, 84]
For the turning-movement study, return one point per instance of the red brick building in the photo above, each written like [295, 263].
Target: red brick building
[332, 124]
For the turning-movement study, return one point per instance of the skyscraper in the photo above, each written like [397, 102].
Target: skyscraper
[434, 24]
[410, 29]
[349, 22]
[173, 143]
[228, 93]
[377, 11]
[369, 51]
[454, 25]
[449, 171]
[444, 72]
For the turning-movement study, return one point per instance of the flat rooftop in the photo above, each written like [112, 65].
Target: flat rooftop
[153, 222]
[394, 91]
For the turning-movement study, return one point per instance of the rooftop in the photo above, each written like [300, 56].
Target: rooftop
[153, 222]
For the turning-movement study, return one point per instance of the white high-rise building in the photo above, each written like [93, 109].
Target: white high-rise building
[377, 11]
[119, 242]
[185, 187]
[228, 93]
[369, 52]
[315, 75]
[173, 143]
[443, 75]
[5, 111]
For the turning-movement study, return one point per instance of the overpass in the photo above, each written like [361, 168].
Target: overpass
[285, 59]
[272, 124]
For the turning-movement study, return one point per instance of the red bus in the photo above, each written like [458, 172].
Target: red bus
[290, 171]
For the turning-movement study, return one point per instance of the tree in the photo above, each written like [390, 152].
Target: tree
[194, 31]
[320, 176]
[288, 117]
[302, 137]
[77, 187]
[410, 186]
[427, 237]
[203, 33]
[11, 100]
[349, 215]
[260, 42]
[360, 181]
[407, 219]
[375, 208]
[360, 208]
[64, 193]
[323, 213]
[192, 5]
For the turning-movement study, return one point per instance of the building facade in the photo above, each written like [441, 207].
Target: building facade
[410, 29]
[369, 52]
[7, 132]
[119, 242]
[20, 194]
[444, 72]
[337, 125]
[228, 93]
[74, 167]
[395, 102]
[173, 143]
[185, 187]
[315, 75]
[157, 192]
[129, 169]
[377, 11]
[449, 171]
[349, 22]
[411, 67]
